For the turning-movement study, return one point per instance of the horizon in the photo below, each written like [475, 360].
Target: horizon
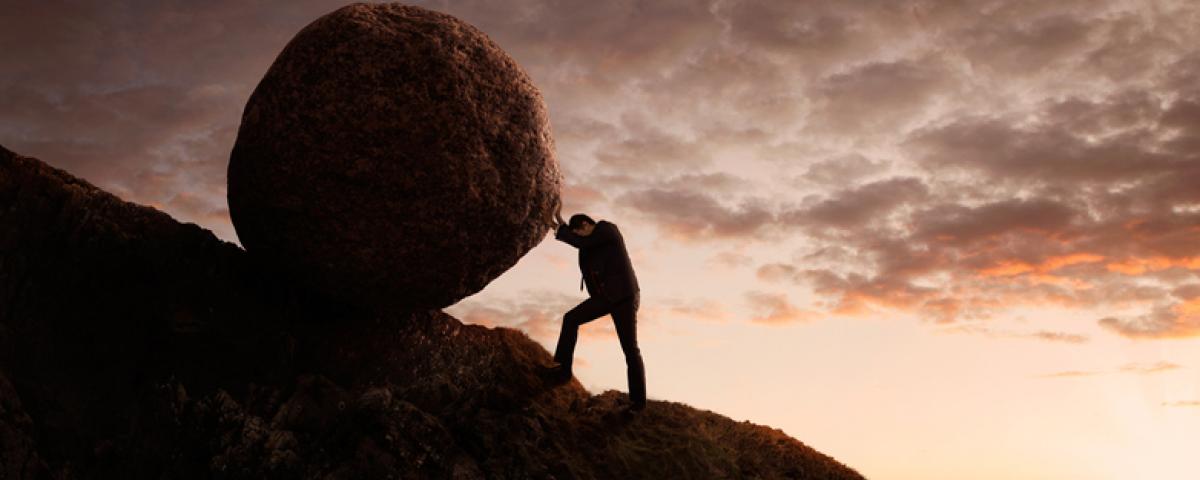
[930, 241]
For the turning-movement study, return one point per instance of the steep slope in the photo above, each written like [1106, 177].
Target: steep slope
[134, 346]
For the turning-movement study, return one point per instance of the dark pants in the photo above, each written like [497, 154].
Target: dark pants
[624, 315]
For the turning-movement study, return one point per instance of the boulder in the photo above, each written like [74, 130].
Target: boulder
[393, 156]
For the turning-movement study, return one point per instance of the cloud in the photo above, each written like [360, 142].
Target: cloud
[730, 259]
[1072, 203]
[1044, 151]
[855, 207]
[774, 272]
[1042, 335]
[775, 309]
[879, 95]
[1069, 374]
[1015, 47]
[843, 170]
[1149, 368]
[1058, 337]
[652, 150]
[703, 309]
[1179, 320]
[579, 197]
[1182, 403]
[1174, 318]
[140, 98]
[689, 215]
[1131, 369]
[538, 313]
[960, 225]
[951, 159]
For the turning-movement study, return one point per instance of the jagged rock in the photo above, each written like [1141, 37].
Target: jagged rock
[393, 155]
[138, 347]
[18, 452]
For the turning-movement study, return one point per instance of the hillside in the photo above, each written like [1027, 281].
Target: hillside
[135, 346]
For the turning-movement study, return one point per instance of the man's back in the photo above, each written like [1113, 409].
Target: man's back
[604, 261]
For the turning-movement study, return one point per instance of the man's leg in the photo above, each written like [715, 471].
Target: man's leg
[625, 319]
[586, 311]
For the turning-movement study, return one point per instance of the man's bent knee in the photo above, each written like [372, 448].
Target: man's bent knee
[570, 319]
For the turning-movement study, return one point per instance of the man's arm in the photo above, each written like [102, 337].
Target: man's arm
[603, 233]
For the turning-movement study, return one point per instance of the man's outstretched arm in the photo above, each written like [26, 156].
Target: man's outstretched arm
[601, 234]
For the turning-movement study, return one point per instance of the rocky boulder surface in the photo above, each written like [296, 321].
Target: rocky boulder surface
[134, 346]
[393, 155]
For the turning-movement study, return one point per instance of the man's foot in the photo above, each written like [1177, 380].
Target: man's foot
[556, 375]
[634, 408]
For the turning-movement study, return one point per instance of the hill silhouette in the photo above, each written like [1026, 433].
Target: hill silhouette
[136, 346]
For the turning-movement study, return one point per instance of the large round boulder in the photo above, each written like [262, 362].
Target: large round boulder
[395, 156]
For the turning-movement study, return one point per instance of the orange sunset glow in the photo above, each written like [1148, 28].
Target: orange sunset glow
[931, 239]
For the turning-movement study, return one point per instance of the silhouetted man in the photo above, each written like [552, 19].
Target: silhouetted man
[612, 288]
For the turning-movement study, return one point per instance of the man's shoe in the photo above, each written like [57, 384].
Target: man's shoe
[632, 411]
[557, 375]
[635, 408]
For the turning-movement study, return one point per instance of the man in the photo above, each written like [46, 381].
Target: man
[612, 288]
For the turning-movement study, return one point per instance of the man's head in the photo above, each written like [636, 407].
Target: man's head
[581, 224]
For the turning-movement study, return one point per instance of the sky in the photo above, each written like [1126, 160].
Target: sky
[932, 239]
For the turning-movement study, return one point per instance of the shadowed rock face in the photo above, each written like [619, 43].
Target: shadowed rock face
[133, 346]
[395, 156]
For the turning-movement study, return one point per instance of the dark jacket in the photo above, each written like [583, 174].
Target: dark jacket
[603, 260]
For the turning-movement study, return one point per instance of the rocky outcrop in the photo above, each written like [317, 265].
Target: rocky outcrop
[134, 346]
[393, 155]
